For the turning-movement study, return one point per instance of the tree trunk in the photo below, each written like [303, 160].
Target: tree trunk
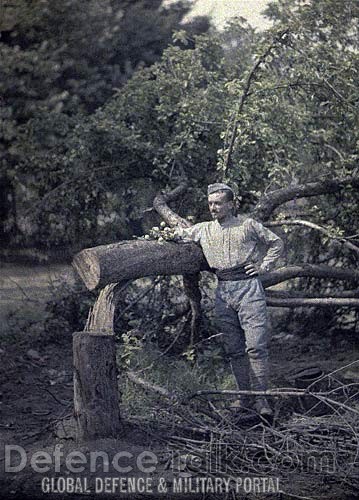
[130, 260]
[193, 292]
[95, 386]
[101, 316]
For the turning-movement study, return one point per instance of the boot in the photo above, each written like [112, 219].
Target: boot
[262, 407]
[240, 370]
[259, 382]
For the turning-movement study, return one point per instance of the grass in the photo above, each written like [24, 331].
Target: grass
[24, 292]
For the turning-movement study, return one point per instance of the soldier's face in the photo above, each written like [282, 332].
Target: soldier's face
[219, 207]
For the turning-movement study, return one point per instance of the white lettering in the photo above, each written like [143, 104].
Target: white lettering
[117, 457]
[150, 460]
[23, 459]
[40, 461]
[75, 458]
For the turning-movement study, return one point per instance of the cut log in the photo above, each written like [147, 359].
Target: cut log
[95, 386]
[128, 260]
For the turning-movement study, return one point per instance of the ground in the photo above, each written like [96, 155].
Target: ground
[36, 382]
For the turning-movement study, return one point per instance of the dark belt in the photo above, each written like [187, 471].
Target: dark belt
[236, 273]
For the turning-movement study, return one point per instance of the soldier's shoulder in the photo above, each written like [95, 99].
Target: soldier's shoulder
[201, 225]
[245, 219]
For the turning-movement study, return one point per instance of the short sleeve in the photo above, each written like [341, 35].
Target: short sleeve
[192, 233]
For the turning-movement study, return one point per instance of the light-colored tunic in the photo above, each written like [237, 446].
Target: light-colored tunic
[236, 242]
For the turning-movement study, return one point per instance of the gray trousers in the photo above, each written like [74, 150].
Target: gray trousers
[241, 317]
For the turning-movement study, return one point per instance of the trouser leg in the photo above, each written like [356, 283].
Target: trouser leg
[233, 342]
[252, 313]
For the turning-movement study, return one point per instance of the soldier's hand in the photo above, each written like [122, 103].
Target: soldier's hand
[251, 269]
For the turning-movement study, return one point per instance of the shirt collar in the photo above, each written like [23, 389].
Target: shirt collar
[228, 223]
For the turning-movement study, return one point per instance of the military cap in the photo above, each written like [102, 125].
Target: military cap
[218, 186]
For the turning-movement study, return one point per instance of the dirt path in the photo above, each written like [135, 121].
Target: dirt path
[24, 290]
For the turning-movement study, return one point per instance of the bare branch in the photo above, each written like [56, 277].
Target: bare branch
[309, 271]
[294, 294]
[311, 302]
[151, 387]
[280, 36]
[312, 225]
[168, 215]
[287, 86]
[190, 281]
[191, 288]
[269, 202]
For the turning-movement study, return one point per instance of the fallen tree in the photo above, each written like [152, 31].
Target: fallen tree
[129, 260]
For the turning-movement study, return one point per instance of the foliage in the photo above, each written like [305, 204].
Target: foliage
[61, 60]
[294, 114]
[179, 375]
[176, 118]
[166, 121]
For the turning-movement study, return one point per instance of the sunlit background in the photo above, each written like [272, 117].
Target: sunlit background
[222, 10]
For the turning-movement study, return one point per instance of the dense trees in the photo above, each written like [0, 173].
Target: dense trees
[60, 61]
[280, 124]
[295, 122]
[264, 111]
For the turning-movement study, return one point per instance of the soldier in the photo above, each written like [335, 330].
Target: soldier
[239, 250]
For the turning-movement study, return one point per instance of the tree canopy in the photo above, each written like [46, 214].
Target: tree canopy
[260, 110]
[60, 61]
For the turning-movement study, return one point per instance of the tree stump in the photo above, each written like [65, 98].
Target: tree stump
[95, 386]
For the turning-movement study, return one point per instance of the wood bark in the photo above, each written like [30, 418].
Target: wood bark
[293, 294]
[96, 404]
[193, 292]
[128, 260]
[190, 279]
[269, 202]
[281, 298]
[311, 302]
[160, 204]
[131, 260]
[309, 271]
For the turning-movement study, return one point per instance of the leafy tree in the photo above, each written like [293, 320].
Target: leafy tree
[297, 121]
[60, 61]
[287, 118]
[165, 122]
[263, 111]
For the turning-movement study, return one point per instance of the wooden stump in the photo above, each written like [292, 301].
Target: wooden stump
[96, 402]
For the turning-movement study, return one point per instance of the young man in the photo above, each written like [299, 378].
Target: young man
[239, 250]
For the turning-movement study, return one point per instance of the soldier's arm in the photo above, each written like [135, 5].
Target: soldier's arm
[192, 233]
[274, 246]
